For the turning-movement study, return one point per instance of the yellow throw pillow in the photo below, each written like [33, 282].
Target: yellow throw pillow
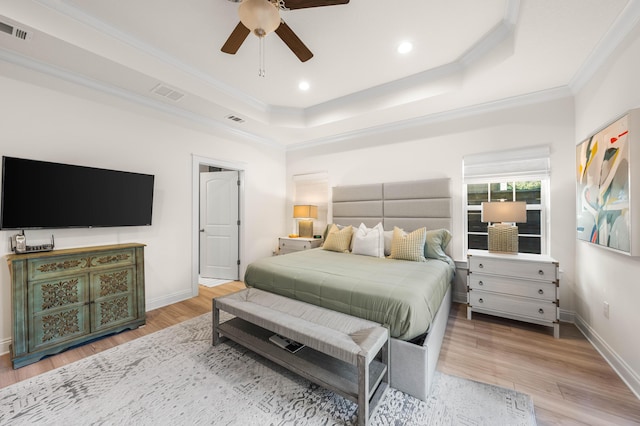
[338, 239]
[408, 246]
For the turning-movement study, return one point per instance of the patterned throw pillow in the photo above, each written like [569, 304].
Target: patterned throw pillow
[338, 239]
[408, 246]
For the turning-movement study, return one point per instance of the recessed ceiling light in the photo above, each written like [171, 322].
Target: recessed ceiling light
[405, 47]
[304, 85]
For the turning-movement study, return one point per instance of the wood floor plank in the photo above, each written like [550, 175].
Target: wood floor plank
[568, 380]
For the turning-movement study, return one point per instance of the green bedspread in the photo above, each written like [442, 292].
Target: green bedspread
[400, 294]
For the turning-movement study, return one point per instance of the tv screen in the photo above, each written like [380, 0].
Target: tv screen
[40, 194]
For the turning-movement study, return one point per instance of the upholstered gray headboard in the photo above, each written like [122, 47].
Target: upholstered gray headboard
[407, 205]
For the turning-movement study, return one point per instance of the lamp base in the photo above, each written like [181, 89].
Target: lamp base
[503, 238]
[305, 229]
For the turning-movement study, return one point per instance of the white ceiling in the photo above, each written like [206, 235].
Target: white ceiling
[466, 53]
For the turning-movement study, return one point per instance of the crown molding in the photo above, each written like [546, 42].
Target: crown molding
[74, 78]
[618, 31]
[502, 104]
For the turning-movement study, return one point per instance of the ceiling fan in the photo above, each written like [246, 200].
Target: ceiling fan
[263, 16]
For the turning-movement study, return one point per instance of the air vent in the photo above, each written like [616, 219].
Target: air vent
[235, 118]
[167, 92]
[15, 31]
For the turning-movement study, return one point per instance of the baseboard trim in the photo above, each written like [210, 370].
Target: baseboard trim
[626, 373]
[168, 300]
[567, 316]
[4, 346]
[460, 297]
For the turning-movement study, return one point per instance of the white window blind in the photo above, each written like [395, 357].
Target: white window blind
[531, 163]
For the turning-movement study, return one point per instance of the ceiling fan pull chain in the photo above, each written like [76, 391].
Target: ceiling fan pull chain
[261, 70]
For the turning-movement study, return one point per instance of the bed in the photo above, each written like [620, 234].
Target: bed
[412, 298]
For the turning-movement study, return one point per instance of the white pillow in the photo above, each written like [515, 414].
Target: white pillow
[369, 241]
[388, 238]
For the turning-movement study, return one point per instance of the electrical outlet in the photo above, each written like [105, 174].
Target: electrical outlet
[606, 310]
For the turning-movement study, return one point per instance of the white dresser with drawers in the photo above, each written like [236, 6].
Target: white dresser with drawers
[289, 245]
[519, 286]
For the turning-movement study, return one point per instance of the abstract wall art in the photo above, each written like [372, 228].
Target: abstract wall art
[606, 179]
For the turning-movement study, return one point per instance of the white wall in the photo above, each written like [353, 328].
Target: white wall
[603, 275]
[436, 150]
[47, 125]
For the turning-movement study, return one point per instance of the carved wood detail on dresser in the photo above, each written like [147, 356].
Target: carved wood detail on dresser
[63, 298]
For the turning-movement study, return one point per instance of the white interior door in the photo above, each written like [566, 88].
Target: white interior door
[219, 225]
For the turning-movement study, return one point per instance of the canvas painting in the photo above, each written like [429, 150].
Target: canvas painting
[603, 197]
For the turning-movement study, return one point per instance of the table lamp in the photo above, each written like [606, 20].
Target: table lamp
[503, 233]
[305, 213]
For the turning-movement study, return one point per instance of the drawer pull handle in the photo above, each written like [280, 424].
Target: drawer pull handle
[480, 265]
[541, 311]
[480, 300]
[541, 291]
[540, 272]
[480, 283]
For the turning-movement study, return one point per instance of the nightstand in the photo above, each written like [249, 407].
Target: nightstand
[289, 245]
[519, 286]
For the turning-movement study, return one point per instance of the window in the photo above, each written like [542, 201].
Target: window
[515, 175]
[529, 233]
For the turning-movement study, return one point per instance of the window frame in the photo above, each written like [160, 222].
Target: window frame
[543, 207]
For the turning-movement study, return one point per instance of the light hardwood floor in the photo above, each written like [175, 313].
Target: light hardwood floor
[570, 383]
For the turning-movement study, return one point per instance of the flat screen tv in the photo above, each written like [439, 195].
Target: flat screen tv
[40, 194]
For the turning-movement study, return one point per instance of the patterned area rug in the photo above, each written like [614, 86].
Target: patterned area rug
[175, 377]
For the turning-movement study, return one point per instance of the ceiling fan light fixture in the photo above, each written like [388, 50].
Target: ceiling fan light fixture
[261, 17]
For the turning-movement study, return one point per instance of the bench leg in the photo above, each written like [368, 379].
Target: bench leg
[363, 391]
[216, 322]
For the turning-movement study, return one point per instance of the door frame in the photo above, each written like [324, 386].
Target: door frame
[195, 209]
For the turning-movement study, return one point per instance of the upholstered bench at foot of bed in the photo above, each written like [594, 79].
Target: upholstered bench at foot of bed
[341, 350]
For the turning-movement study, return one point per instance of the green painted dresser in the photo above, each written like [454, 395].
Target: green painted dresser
[63, 298]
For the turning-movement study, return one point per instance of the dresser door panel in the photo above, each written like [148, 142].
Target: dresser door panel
[113, 298]
[60, 310]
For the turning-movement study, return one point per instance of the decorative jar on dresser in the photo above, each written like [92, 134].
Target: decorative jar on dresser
[517, 286]
[66, 297]
[289, 245]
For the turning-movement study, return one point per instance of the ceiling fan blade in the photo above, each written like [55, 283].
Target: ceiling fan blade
[235, 40]
[293, 41]
[302, 4]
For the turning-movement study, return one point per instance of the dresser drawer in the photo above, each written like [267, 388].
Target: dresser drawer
[522, 269]
[513, 305]
[46, 267]
[512, 286]
[113, 258]
[289, 245]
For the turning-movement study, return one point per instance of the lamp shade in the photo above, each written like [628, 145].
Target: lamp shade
[305, 211]
[504, 211]
[259, 16]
